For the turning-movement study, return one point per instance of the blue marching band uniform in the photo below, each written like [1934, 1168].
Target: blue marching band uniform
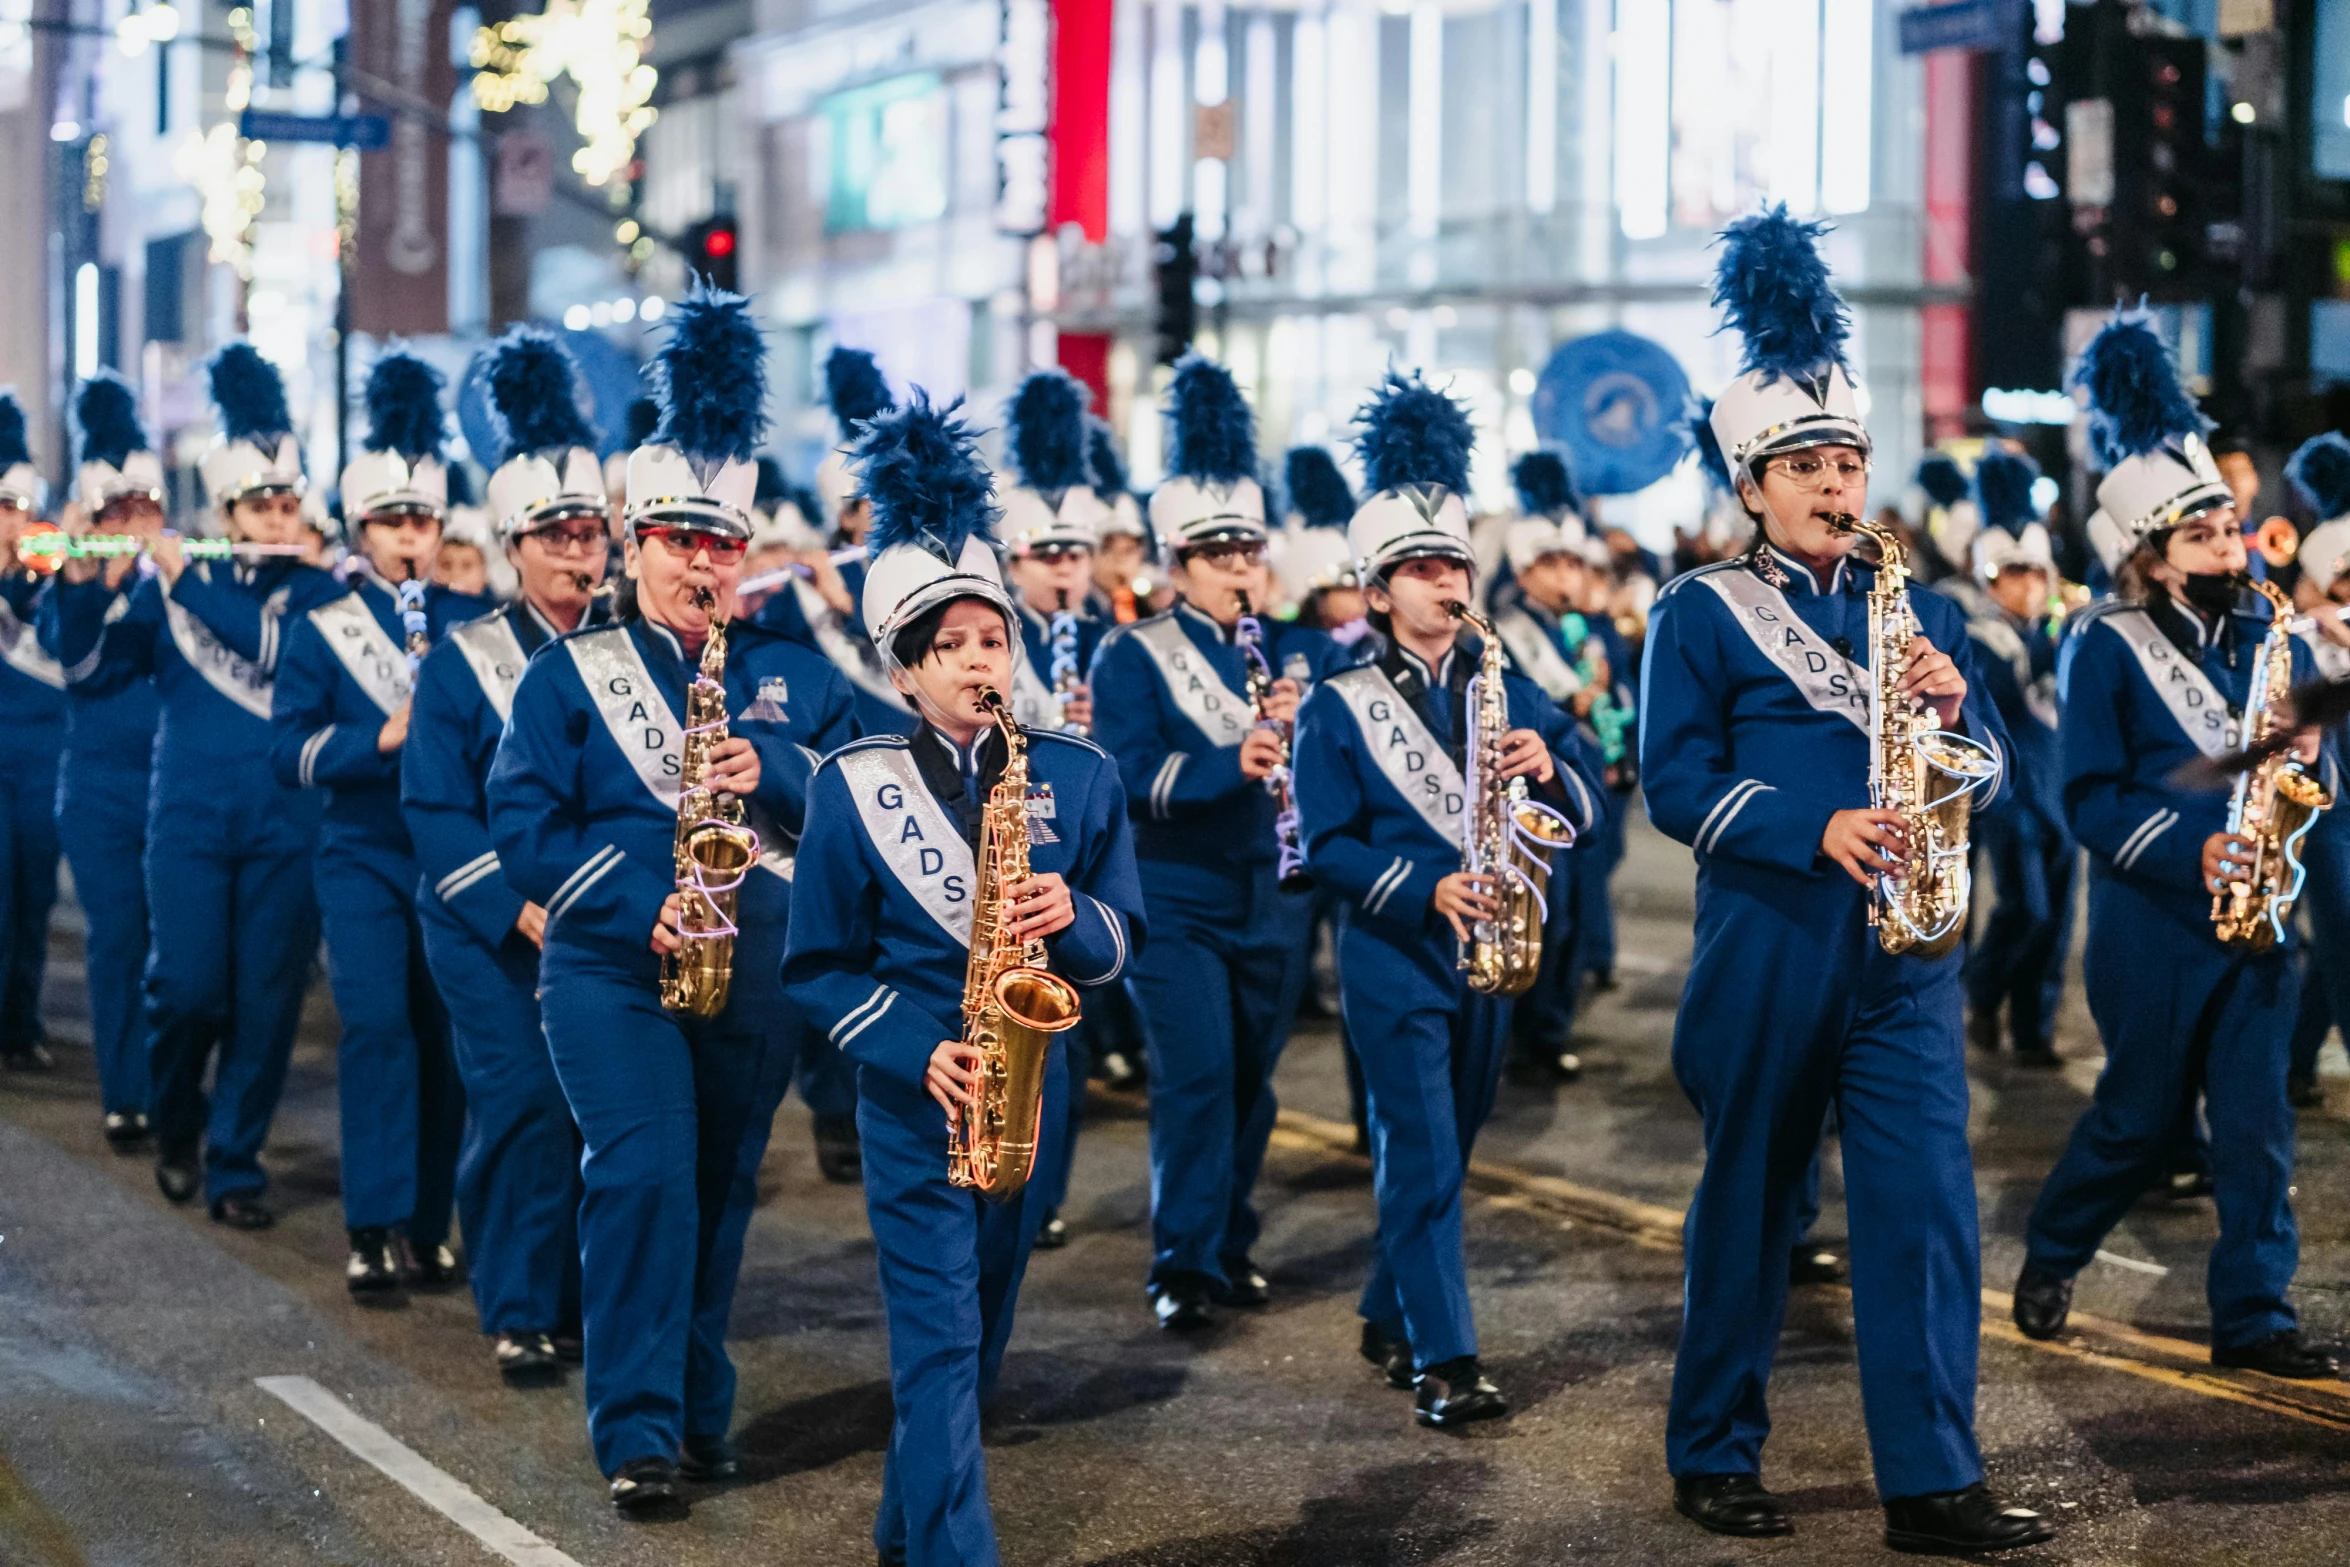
[33, 704]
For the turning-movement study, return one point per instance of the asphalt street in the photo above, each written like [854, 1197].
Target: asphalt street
[133, 1428]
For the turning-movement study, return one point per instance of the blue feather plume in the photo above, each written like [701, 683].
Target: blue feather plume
[106, 411]
[249, 396]
[404, 407]
[13, 449]
[2003, 490]
[773, 486]
[1710, 459]
[1318, 492]
[920, 468]
[461, 491]
[644, 417]
[1544, 482]
[2320, 471]
[1940, 476]
[1101, 449]
[1211, 434]
[855, 389]
[532, 387]
[1772, 286]
[1412, 434]
[1046, 422]
[710, 378]
[2136, 404]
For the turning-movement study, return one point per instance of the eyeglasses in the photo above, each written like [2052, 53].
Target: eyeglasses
[689, 542]
[1229, 555]
[1818, 473]
[1056, 554]
[571, 541]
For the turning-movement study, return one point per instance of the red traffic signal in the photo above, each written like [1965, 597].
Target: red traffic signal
[713, 249]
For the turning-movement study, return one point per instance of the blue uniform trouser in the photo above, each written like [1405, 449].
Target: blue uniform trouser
[951, 1263]
[1792, 1006]
[233, 927]
[828, 1078]
[675, 1113]
[2182, 1015]
[402, 1102]
[1052, 1184]
[2019, 958]
[1218, 982]
[518, 1180]
[28, 880]
[1432, 1052]
[102, 822]
[1595, 914]
[2325, 985]
[1545, 1015]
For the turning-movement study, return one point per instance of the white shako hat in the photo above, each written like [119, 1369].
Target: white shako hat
[547, 464]
[933, 535]
[1952, 519]
[1054, 504]
[2320, 473]
[255, 452]
[116, 463]
[1321, 504]
[2012, 533]
[1794, 388]
[401, 470]
[857, 393]
[20, 481]
[644, 415]
[1549, 520]
[2145, 431]
[1414, 442]
[1211, 491]
[710, 382]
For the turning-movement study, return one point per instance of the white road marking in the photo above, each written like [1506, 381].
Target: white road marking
[445, 1494]
[2151, 1269]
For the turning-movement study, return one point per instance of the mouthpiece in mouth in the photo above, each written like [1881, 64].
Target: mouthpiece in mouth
[1842, 521]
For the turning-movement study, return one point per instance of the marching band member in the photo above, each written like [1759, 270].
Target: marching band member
[232, 915]
[1379, 768]
[1951, 519]
[1051, 519]
[1219, 983]
[878, 957]
[518, 1182]
[1122, 545]
[584, 797]
[340, 719]
[857, 393]
[2320, 474]
[1317, 569]
[1755, 751]
[33, 706]
[109, 754]
[2018, 960]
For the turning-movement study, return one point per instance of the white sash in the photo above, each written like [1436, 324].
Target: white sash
[231, 674]
[494, 653]
[922, 848]
[2201, 712]
[1033, 703]
[374, 660]
[1538, 654]
[2332, 661]
[21, 650]
[2004, 642]
[850, 656]
[635, 712]
[1828, 680]
[1421, 770]
[1219, 712]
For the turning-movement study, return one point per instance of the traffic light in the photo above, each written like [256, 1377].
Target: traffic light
[1176, 265]
[713, 248]
[2162, 166]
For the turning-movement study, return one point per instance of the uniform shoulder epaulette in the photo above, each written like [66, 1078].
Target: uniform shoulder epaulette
[1675, 584]
[867, 743]
[1066, 738]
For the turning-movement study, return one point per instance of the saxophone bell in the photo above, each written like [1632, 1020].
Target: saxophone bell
[1507, 838]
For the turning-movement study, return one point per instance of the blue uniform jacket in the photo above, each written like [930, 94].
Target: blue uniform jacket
[32, 687]
[325, 720]
[576, 827]
[870, 964]
[2016, 661]
[109, 731]
[1735, 760]
[786, 613]
[1184, 786]
[1364, 837]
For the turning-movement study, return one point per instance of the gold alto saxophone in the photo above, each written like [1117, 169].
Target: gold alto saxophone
[1012, 1003]
[2275, 804]
[1925, 773]
[1506, 839]
[715, 851]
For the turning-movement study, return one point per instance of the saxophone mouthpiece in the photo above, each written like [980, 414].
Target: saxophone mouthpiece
[991, 701]
[1843, 522]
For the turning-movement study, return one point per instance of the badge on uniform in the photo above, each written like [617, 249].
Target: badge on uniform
[1299, 668]
[768, 705]
[1042, 808]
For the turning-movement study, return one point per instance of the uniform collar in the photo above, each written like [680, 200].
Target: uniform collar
[532, 628]
[1411, 673]
[1785, 572]
[1201, 620]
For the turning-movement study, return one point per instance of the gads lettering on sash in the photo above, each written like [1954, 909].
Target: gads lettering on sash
[1415, 762]
[929, 861]
[655, 737]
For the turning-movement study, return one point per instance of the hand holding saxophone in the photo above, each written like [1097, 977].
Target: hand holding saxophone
[734, 767]
[1038, 907]
[1934, 681]
[1523, 755]
[1464, 898]
[1867, 843]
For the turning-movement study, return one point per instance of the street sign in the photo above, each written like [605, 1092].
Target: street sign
[1962, 24]
[367, 132]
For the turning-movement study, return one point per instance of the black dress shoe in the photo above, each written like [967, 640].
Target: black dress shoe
[126, 1130]
[1181, 1304]
[1734, 1504]
[1603, 980]
[1961, 1523]
[1455, 1393]
[570, 1345]
[1809, 1264]
[646, 1487]
[434, 1268]
[177, 1174]
[2040, 1058]
[32, 1056]
[1052, 1235]
[1982, 1029]
[2281, 1354]
[2184, 1185]
[839, 1155]
[1243, 1287]
[2042, 1303]
[1391, 1355]
[242, 1211]
[1564, 1065]
[1121, 1073]
[2302, 1093]
[378, 1268]
[526, 1359]
[708, 1459]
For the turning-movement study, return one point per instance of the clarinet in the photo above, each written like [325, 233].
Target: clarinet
[1064, 665]
[413, 622]
[1248, 634]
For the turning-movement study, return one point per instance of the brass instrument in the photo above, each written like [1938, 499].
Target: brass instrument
[1926, 774]
[1248, 634]
[1012, 1003]
[1064, 667]
[1507, 839]
[715, 851]
[2275, 804]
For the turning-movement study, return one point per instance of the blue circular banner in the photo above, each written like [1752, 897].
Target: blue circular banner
[609, 380]
[1616, 402]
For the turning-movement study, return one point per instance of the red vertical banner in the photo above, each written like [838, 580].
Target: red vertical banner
[1946, 353]
[1081, 116]
[400, 278]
